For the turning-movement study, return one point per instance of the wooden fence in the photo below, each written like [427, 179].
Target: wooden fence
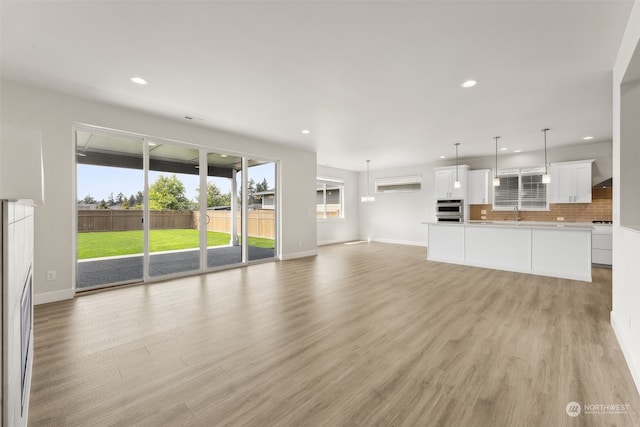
[261, 223]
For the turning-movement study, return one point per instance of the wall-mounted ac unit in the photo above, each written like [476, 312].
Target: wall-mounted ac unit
[400, 184]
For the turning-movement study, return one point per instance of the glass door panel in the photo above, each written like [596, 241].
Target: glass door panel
[224, 210]
[110, 198]
[174, 236]
[262, 210]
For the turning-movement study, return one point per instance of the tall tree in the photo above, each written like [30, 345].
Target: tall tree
[88, 200]
[139, 198]
[119, 198]
[110, 200]
[102, 204]
[168, 193]
[215, 197]
[262, 186]
[132, 201]
[251, 191]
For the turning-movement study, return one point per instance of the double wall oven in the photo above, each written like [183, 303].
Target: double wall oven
[450, 210]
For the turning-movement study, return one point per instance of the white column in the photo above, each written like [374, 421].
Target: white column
[234, 210]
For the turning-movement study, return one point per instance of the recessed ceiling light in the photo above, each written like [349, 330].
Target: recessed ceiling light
[223, 155]
[81, 155]
[442, 157]
[504, 149]
[138, 80]
[588, 137]
[469, 83]
[152, 144]
[517, 151]
[306, 131]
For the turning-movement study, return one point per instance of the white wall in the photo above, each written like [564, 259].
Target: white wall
[397, 217]
[54, 114]
[625, 315]
[343, 229]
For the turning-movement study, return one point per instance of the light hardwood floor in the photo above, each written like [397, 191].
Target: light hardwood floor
[365, 334]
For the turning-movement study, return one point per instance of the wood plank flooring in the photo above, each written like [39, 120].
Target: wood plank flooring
[364, 334]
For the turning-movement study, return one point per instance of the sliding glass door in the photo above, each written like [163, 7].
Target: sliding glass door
[261, 214]
[150, 209]
[110, 200]
[173, 188]
[223, 210]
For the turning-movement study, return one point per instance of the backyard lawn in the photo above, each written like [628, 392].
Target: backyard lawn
[113, 243]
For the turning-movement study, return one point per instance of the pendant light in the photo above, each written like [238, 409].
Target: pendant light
[456, 183]
[546, 178]
[368, 197]
[496, 180]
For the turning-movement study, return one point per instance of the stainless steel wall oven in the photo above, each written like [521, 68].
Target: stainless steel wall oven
[450, 210]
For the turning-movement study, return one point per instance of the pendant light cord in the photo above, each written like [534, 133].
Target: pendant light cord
[496, 172]
[546, 171]
[456, 144]
[368, 194]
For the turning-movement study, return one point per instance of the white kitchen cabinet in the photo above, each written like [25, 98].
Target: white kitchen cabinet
[601, 244]
[571, 182]
[445, 178]
[478, 181]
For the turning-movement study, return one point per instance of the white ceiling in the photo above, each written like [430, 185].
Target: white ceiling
[371, 80]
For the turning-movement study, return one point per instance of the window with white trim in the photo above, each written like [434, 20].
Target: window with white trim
[400, 184]
[521, 188]
[329, 198]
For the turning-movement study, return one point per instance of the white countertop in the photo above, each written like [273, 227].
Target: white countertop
[521, 224]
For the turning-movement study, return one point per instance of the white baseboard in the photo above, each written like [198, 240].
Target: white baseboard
[47, 297]
[295, 255]
[333, 242]
[626, 351]
[400, 242]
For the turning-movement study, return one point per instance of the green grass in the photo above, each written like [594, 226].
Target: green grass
[113, 243]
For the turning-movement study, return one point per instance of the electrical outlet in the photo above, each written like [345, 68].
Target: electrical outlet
[483, 212]
[560, 218]
[51, 275]
[483, 217]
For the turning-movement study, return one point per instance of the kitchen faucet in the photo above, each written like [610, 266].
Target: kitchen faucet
[515, 211]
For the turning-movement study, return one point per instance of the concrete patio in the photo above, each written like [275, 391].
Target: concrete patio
[126, 269]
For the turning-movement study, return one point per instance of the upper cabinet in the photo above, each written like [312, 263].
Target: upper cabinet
[445, 179]
[479, 187]
[571, 181]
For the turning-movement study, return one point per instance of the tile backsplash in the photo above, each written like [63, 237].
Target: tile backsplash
[600, 208]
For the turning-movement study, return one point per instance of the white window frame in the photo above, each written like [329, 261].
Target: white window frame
[520, 173]
[334, 182]
[403, 182]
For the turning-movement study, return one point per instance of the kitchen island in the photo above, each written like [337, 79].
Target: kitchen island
[546, 249]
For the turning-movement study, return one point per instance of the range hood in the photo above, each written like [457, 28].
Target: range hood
[604, 184]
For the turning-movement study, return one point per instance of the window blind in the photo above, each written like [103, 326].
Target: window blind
[522, 188]
[506, 195]
[534, 192]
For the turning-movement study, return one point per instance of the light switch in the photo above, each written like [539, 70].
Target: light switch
[483, 212]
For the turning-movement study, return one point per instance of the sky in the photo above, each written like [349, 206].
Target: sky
[100, 181]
